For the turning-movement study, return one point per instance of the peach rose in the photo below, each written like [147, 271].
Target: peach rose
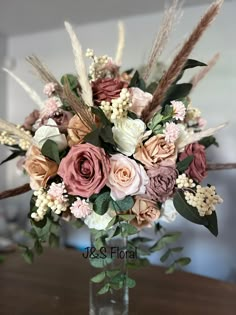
[155, 150]
[146, 212]
[126, 177]
[77, 130]
[39, 168]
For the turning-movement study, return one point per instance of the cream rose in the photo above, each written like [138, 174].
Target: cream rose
[155, 150]
[126, 177]
[96, 221]
[127, 134]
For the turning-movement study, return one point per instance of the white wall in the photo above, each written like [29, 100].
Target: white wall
[215, 96]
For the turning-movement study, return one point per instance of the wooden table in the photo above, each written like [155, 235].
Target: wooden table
[57, 283]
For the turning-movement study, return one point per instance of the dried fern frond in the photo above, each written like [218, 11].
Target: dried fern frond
[180, 60]
[191, 138]
[204, 71]
[121, 43]
[86, 90]
[13, 130]
[32, 94]
[82, 110]
[43, 72]
[170, 17]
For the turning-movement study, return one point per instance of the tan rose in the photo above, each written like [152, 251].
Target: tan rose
[39, 168]
[155, 150]
[77, 130]
[146, 212]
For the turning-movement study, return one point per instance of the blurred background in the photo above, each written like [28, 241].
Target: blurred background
[36, 27]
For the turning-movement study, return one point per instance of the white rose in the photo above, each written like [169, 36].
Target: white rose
[47, 132]
[169, 212]
[96, 221]
[127, 134]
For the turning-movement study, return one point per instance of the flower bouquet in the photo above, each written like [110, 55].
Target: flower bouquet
[118, 153]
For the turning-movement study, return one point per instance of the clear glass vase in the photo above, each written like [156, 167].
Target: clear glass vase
[111, 259]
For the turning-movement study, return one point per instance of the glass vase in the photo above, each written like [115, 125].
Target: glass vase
[106, 261]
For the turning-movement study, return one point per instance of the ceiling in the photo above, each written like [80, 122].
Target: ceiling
[27, 16]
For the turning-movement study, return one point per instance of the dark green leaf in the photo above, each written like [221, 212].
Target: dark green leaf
[94, 137]
[183, 261]
[132, 115]
[185, 163]
[13, 156]
[152, 87]
[137, 81]
[212, 225]
[77, 223]
[38, 247]
[99, 277]
[190, 63]
[71, 79]
[28, 256]
[165, 256]
[50, 150]
[176, 92]
[104, 289]
[101, 203]
[122, 205]
[208, 141]
[102, 117]
[53, 240]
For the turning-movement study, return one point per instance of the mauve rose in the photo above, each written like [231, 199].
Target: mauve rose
[107, 89]
[162, 181]
[145, 211]
[31, 119]
[197, 169]
[84, 170]
[155, 150]
[140, 100]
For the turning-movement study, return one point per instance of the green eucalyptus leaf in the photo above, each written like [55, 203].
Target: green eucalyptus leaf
[112, 222]
[122, 205]
[171, 268]
[50, 150]
[38, 247]
[104, 289]
[28, 256]
[165, 256]
[165, 240]
[183, 261]
[53, 240]
[99, 277]
[138, 263]
[112, 273]
[101, 203]
[128, 229]
[131, 283]
[98, 262]
[78, 223]
[127, 217]
[185, 163]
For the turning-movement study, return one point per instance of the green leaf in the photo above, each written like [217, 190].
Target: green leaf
[165, 240]
[177, 249]
[176, 92]
[190, 63]
[53, 240]
[99, 113]
[131, 283]
[127, 217]
[50, 150]
[138, 263]
[94, 138]
[155, 125]
[137, 81]
[99, 277]
[112, 222]
[171, 268]
[139, 240]
[101, 203]
[183, 261]
[132, 115]
[128, 229]
[28, 256]
[104, 289]
[165, 256]
[112, 273]
[208, 141]
[122, 205]
[98, 262]
[71, 79]
[38, 247]
[191, 213]
[2, 258]
[185, 163]
[152, 87]
[78, 223]
[13, 156]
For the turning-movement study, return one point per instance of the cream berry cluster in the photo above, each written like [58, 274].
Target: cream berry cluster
[205, 199]
[99, 62]
[118, 107]
[8, 139]
[184, 182]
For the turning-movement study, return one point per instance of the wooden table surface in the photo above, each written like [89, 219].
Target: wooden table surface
[57, 284]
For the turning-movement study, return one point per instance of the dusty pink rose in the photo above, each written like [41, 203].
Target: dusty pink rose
[197, 169]
[84, 170]
[126, 177]
[140, 100]
[107, 89]
[31, 120]
[145, 210]
[162, 181]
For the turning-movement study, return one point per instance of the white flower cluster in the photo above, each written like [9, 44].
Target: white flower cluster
[8, 139]
[44, 201]
[205, 199]
[184, 182]
[117, 109]
[96, 68]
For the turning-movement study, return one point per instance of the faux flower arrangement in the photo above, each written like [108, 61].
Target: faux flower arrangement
[116, 152]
